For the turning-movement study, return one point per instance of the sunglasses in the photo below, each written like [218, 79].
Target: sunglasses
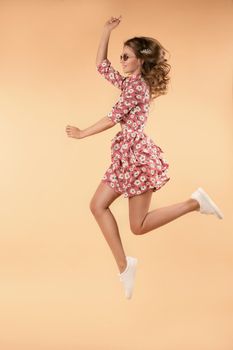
[125, 57]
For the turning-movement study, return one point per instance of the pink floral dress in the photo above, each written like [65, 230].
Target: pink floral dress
[137, 163]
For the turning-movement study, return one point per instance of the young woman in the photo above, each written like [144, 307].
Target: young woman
[137, 167]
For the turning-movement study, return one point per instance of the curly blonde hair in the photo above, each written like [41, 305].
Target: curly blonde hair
[155, 68]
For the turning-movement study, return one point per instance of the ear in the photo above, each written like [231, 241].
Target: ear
[142, 61]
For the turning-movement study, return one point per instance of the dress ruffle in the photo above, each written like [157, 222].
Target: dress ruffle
[137, 164]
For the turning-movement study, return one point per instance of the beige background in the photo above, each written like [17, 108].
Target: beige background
[59, 286]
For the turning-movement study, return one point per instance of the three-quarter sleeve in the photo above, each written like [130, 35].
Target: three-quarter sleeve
[111, 74]
[130, 97]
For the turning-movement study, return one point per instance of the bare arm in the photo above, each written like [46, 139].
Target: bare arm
[102, 52]
[103, 124]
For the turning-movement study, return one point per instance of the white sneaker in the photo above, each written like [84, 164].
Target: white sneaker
[207, 205]
[127, 277]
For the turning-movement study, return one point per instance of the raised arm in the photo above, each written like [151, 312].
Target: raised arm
[103, 65]
[102, 52]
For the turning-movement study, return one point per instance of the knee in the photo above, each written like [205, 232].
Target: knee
[95, 207]
[136, 229]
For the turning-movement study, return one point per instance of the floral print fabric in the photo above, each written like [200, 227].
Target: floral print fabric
[137, 163]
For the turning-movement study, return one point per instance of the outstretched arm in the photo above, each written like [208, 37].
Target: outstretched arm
[102, 52]
[103, 124]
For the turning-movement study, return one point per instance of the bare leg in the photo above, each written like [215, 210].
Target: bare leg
[99, 206]
[142, 221]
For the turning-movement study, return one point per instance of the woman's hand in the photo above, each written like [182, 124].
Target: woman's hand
[72, 131]
[112, 23]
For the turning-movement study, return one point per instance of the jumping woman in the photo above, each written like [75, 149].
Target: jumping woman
[138, 167]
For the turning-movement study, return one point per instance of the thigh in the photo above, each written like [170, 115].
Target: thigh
[138, 208]
[103, 196]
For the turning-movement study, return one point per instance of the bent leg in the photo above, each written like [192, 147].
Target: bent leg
[142, 221]
[99, 206]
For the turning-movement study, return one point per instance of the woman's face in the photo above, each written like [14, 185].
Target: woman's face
[130, 63]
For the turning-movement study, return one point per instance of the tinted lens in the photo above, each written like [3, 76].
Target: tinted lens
[124, 57]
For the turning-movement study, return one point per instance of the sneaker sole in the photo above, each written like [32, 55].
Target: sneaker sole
[217, 211]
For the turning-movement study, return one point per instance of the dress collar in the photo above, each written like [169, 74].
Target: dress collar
[135, 77]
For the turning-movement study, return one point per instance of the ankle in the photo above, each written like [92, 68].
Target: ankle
[122, 265]
[194, 204]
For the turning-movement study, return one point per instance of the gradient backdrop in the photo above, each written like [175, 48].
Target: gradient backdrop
[59, 288]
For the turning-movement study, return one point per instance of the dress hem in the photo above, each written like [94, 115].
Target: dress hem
[126, 195]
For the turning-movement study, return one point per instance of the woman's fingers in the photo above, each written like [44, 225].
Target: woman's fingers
[69, 129]
[113, 22]
[115, 18]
